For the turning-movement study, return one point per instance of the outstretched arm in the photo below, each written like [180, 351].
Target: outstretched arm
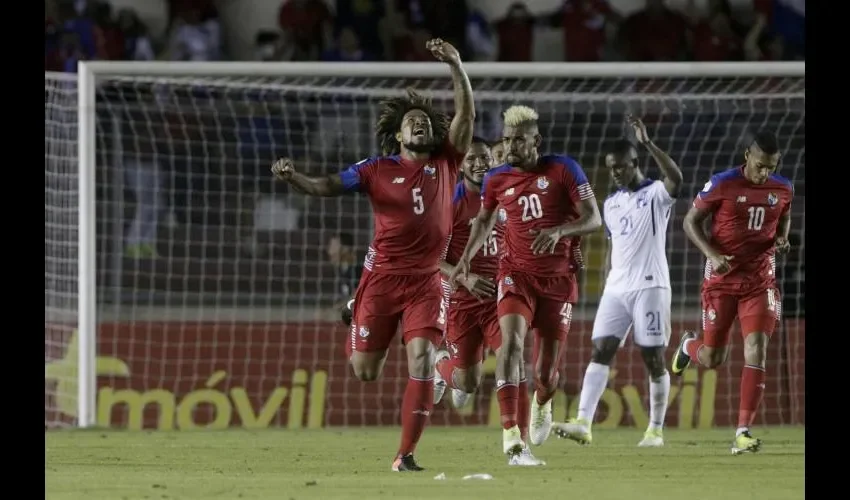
[671, 172]
[332, 185]
[460, 130]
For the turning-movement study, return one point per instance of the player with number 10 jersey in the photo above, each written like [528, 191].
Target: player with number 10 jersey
[750, 210]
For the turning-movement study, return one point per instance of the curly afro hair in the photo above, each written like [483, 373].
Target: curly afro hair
[392, 114]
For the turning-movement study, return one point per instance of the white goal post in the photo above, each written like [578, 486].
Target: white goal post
[209, 112]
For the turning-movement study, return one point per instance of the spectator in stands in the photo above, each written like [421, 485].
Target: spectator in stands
[309, 22]
[78, 27]
[176, 8]
[655, 33]
[480, 37]
[137, 42]
[342, 254]
[410, 46]
[446, 20]
[718, 36]
[142, 175]
[109, 37]
[193, 38]
[272, 46]
[367, 18]
[516, 34]
[52, 36]
[347, 48]
[780, 25]
[584, 23]
[70, 51]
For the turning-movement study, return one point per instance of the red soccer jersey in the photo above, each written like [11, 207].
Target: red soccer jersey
[412, 203]
[743, 224]
[486, 262]
[547, 197]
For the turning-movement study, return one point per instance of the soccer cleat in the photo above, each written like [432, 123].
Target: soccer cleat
[525, 458]
[541, 421]
[745, 443]
[577, 429]
[652, 438]
[439, 382]
[406, 463]
[460, 398]
[681, 360]
[512, 441]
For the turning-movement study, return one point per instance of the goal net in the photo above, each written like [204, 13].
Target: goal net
[216, 296]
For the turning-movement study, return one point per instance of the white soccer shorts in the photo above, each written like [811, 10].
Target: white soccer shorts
[646, 311]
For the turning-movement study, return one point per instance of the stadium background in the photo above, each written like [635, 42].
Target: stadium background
[246, 313]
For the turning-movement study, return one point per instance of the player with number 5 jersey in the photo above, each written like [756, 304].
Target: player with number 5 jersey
[750, 209]
[549, 204]
[637, 291]
[411, 190]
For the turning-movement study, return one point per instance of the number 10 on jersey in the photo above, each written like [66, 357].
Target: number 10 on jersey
[756, 218]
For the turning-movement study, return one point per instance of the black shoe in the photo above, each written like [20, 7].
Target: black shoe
[406, 464]
[681, 360]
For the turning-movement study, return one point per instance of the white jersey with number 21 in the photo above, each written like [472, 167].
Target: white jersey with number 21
[637, 290]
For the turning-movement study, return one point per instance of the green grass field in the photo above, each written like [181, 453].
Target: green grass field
[355, 464]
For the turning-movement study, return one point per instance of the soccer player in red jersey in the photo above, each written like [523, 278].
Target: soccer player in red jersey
[473, 323]
[549, 204]
[411, 193]
[750, 209]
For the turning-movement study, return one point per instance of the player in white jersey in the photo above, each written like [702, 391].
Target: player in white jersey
[637, 288]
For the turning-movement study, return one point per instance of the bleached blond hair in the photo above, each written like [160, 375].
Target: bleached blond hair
[518, 115]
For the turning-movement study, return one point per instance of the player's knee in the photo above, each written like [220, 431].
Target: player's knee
[755, 349]
[366, 372]
[604, 350]
[713, 356]
[469, 379]
[653, 359]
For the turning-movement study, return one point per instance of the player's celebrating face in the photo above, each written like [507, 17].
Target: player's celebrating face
[520, 137]
[477, 162]
[416, 133]
[622, 162]
[762, 158]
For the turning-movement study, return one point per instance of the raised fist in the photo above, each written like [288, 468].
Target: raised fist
[443, 51]
[283, 168]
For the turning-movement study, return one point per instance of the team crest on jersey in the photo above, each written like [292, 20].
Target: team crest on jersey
[509, 281]
[711, 314]
[428, 169]
[364, 332]
[503, 215]
[542, 183]
[772, 199]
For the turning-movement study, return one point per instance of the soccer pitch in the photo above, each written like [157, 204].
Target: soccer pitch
[325, 464]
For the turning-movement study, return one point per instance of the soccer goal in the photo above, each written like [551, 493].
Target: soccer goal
[184, 288]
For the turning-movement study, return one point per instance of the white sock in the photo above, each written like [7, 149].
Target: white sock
[741, 430]
[595, 380]
[659, 393]
[685, 345]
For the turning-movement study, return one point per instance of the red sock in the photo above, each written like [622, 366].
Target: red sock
[446, 369]
[752, 391]
[523, 409]
[692, 348]
[415, 408]
[508, 396]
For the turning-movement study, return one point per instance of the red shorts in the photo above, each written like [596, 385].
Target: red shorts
[546, 303]
[471, 329]
[757, 309]
[383, 301]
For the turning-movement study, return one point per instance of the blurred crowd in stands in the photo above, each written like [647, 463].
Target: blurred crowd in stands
[396, 30]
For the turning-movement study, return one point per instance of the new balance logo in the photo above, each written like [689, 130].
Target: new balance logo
[509, 191]
[398, 180]
[741, 199]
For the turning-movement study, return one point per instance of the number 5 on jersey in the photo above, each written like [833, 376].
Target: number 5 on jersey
[418, 202]
[531, 207]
